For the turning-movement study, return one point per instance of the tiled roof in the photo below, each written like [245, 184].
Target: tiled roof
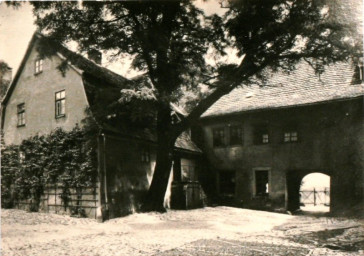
[300, 87]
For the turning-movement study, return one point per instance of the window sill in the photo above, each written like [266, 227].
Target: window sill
[38, 73]
[290, 142]
[20, 125]
[60, 116]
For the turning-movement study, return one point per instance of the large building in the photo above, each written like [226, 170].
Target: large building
[42, 99]
[261, 140]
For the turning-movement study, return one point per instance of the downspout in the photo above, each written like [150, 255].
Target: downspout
[99, 210]
[104, 167]
[102, 209]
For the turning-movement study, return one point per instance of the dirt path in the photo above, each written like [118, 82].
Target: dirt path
[208, 231]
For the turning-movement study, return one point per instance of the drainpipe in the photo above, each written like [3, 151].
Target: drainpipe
[104, 167]
[99, 211]
[101, 159]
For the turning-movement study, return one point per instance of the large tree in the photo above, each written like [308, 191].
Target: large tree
[171, 40]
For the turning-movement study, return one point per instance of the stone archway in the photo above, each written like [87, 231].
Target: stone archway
[293, 184]
[315, 192]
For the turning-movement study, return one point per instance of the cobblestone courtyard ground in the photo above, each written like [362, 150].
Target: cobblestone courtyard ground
[205, 232]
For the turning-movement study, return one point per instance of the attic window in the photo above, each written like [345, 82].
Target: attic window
[38, 68]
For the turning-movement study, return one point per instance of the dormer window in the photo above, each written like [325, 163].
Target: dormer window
[38, 68]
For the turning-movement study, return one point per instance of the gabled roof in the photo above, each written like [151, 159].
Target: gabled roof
[300, 87]
[78, 61]
[100, 84]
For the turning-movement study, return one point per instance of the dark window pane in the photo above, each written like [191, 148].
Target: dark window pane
[218, 137]
[236, 135]
[261, 183]
[227, 183]
[261, 135]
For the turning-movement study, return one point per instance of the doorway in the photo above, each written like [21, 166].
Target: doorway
[315, 193]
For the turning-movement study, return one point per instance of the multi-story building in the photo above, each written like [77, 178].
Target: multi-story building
[260, 141]
[41, 99]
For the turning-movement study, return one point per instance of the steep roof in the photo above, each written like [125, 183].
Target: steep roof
[300, 87]
[101, 84]
[77, 61]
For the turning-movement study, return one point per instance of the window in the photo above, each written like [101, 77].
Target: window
[21, 156]
[290, 136]
[261, 183]
[60, 104]
[218, 137]
[145, 156]
[261, 135]
[188, 173]
[38, 66]
[227, 183]
[236, 135]
[358, 74]
[21, 114]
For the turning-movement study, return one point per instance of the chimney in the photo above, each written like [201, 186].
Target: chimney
[95, 56]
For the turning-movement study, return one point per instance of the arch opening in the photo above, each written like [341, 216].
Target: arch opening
[315, 192]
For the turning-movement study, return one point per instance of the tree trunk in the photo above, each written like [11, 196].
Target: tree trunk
[154, 200]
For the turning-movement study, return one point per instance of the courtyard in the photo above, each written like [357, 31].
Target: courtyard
[207, 231]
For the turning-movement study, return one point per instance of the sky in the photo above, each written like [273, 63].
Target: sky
[17, 27]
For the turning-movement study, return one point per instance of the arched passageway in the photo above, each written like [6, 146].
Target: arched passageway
[294, 180]
[315, 192]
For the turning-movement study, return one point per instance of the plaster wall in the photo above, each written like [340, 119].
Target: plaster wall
[37, 91]
[330, 140]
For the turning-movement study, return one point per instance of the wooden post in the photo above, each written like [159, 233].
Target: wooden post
[314, 196]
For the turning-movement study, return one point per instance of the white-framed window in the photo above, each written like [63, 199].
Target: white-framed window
[290, 136]
[60, 104]
[261, 135]
[21, 114]
[38, 66]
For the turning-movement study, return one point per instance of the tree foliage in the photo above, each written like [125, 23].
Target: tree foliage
[4, 81]
[170, 40]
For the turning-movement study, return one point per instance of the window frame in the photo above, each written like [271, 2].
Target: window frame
[233, 189]
[38, 66]
[218, 130]
[239, 139]
[20, 112]
[261, 135]
[289, 137]
[255, 190]
[60, 100]
[145, 155]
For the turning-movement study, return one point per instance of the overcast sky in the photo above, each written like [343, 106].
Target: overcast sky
[17, 27]
[16, 30]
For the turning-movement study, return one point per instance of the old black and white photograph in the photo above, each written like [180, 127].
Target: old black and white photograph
[182, 128]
